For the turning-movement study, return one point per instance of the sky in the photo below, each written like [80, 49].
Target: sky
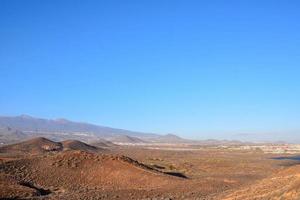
[199, 69]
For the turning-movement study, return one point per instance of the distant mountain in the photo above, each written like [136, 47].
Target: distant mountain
[15, 129]
[172, 137]
[126, 139]
[103, 143]
[9, 135]
[169, 138]
[30, 124]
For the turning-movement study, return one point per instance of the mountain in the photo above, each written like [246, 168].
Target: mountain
[62, 128]
[28, 123]
[126, 139]
[103, 143]
[9, 135]
[169, 138]
[15, 129]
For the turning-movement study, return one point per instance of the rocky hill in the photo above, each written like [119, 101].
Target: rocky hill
[42, 145]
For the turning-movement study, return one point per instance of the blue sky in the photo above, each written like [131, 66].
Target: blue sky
[200, 69]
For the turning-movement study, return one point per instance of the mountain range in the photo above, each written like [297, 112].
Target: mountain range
[14, 128]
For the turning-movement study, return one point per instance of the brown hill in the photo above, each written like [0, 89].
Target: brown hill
[43, 145]
[74, 174]
[101, 143]
[77, 145]
[126, 139]
[283, 185]
[34, 146]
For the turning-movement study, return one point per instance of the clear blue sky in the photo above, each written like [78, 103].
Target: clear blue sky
[200, 69]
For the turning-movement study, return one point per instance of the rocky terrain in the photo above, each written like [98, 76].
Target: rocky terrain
[282, 185]
[75, 174]
[71, 170]
[43, 169]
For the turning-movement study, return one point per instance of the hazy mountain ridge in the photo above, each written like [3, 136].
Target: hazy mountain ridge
[28, 123]
[14, 129]
[9, 135]
[63, 129]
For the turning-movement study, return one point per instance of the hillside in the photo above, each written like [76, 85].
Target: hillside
[103, 143]
[33, 146]
[283, 185]
[76, 175]
[78, 145]
[42, 145]
[126, 139]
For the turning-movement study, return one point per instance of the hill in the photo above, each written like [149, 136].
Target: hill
[78, 145]
[42, 145]
[283, 185]
[34, 146]
[126, 139]
[80, 175]
[103, 143]
[169, 138]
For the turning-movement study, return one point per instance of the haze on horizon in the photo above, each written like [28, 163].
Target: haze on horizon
[215, 69]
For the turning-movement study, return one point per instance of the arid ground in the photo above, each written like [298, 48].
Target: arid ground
[43, 169]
